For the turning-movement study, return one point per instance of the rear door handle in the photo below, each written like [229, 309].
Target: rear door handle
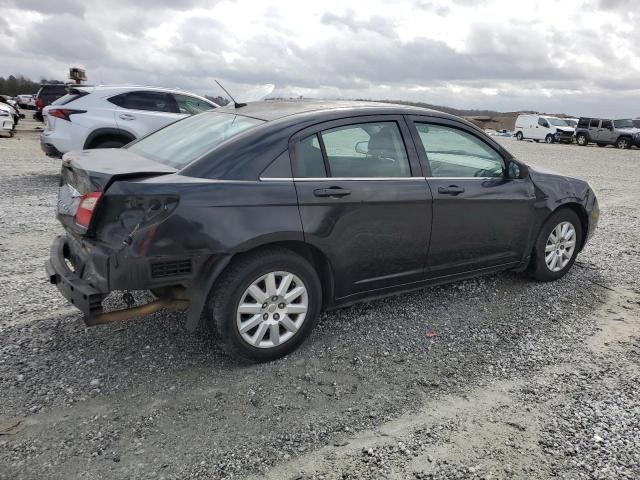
[127, 116]
[451, 190]
[332, 192]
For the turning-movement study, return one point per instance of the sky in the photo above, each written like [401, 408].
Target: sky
[571, 56]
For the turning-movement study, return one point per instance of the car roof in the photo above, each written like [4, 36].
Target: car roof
[269, 110]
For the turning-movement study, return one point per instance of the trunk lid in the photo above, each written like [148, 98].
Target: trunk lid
[94, 171]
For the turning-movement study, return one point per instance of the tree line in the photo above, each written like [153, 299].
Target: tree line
[18, 84]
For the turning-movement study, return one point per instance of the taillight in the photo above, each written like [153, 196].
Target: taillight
[87, 206]
[39, 103]
[64, 113]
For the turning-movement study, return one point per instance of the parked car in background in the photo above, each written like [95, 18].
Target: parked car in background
[543, 127]
[257, 218]
[606, 131]
[27, 102]
[47, 94]
[12, 108]
[111, 116]
[7, 119]
[636, 122]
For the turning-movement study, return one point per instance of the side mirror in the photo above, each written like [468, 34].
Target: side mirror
[362, 147]
[514, 170]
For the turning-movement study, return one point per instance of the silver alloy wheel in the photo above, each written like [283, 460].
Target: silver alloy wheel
[272, 309]
[548, 139]
[582, 140]
[623, 143]
[560, 246]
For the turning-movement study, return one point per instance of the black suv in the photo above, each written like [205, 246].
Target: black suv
[48, 94]
[257, 217]
[622, 132]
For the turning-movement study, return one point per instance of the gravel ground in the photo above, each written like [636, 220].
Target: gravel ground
[520, 380]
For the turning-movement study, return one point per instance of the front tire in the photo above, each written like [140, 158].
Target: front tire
[582, 140]
[557, 246]
[519, 136]
[549, 139]
[264, 305]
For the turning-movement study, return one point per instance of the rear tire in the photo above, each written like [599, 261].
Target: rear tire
[557, 245]
[582, 140]
[623, 143]
[264, 305]
[519, 136]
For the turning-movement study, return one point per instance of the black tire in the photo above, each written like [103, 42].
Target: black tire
[109, 143]
[519, 136]
[230, 287]
[538, 267]
[623, 143]
[549, 139]
[582, 140]
[602, 145]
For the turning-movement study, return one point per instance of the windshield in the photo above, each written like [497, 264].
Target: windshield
[182, 142]
[557, 122]
[626, 123]
[571, 123]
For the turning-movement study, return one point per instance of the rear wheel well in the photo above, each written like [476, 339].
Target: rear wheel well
[105, 137]
[313, 255]
[582, 215]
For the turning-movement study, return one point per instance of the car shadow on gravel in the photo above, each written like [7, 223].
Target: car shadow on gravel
[362, 365]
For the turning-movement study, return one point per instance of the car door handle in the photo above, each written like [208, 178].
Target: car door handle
[127, 116]
[332, 192]
[451, 190]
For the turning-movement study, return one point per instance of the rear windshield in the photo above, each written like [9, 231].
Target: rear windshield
[184, 141]
[69, 97]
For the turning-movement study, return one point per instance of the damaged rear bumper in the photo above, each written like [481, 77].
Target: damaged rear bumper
[75, 289]
[86, 272]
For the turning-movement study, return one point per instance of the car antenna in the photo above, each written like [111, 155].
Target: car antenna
[235, 104]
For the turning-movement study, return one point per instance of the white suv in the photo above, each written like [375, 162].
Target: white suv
[111, 116]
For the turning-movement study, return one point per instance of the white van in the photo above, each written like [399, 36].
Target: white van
[542, 127]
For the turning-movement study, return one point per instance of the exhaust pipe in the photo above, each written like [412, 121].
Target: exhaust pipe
[137, 312]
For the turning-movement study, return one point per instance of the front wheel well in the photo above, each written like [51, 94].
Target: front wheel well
[313, 255]
[582, 215]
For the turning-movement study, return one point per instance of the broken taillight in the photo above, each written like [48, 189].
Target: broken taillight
[87, 206]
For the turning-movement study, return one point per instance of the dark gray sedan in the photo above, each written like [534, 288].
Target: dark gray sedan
[256, 218]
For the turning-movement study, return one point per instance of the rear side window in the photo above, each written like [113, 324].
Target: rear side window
[366, 150]
[583, 122]
[594, 123]
[191, 105]
[149, 101]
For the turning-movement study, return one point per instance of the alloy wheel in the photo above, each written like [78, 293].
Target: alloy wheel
[272, 309]
[560, 246]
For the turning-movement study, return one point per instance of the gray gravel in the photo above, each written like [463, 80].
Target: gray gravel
[518, 381]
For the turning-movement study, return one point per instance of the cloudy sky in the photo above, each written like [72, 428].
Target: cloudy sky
[579, 57]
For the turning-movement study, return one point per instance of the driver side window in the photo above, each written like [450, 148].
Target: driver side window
[455, 153]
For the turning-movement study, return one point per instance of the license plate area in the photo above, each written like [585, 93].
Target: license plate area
[68, 200]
